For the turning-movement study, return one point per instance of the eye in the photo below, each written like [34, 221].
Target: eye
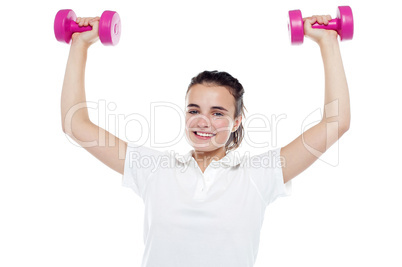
[192, 111]
[218, 114]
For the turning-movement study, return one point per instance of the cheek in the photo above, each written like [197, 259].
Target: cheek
[222, 125]
[189, 122]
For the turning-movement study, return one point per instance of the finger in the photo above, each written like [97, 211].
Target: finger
[86, 21]
[310, 20]
[327, 18]
[320, 19]
[81, 22]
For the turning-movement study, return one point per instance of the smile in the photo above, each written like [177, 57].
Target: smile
[203, 135]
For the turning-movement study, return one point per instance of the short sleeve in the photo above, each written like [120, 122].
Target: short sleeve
[265, 171]
[140, 163]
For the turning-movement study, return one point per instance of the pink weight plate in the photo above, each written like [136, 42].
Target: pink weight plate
[62, 29]
[109, 28]
[345, 18]
[295, 27]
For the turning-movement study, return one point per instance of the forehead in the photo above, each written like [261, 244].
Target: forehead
[210, 95]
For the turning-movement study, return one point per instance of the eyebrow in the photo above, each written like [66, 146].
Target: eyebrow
[213, 107]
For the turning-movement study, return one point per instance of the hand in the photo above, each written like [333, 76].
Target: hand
[319, 35]
[89, 37]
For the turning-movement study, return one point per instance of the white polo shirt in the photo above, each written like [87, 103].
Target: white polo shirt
[210, 219]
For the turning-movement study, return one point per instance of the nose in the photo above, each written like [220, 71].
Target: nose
[203, 122]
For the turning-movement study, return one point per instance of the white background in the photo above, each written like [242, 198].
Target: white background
[60, 206]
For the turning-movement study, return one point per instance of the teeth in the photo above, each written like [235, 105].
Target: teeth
[202, 134]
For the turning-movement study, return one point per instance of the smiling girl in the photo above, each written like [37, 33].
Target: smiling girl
[207, 209]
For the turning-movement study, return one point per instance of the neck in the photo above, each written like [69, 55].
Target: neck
[204, 158]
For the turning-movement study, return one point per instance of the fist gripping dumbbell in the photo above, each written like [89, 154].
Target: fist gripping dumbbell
[109, 26]
[343, 24]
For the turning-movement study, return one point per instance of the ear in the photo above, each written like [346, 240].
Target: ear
[237, 123]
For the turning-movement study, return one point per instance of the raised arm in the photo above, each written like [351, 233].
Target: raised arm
[74, 113]
[310, 145]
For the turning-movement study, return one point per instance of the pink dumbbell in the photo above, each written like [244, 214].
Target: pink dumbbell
[109, 27]
[343, 24]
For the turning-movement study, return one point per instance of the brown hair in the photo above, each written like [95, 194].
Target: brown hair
[236, 89]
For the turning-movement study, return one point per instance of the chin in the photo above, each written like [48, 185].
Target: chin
[203, 145]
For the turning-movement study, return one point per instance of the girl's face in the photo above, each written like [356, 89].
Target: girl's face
[210, 111]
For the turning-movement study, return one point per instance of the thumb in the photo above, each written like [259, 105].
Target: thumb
[74, 35]
[309, 21]
[95, 25]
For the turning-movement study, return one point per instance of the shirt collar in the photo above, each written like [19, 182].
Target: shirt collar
[231, 159]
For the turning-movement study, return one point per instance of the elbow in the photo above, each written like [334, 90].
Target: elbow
[67, 129]
[344, 123]
[340, 127]
[343, 130]
[66, 132]
[344, 127]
